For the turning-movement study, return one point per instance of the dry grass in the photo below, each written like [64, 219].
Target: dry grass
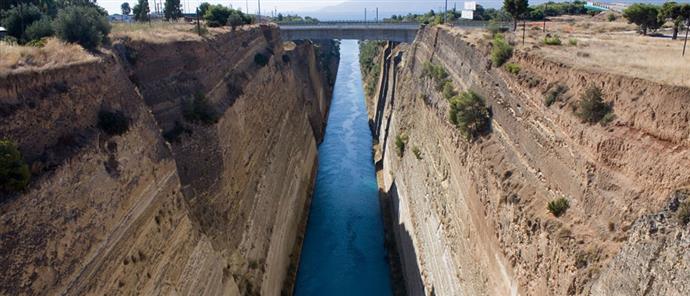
[54, 54]
[603, 46]
[156, 32]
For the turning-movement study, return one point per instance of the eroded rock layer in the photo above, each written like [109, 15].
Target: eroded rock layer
[471, 215]
[219, 210]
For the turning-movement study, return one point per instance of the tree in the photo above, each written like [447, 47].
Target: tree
[217, 15]
[235, 20]
[172, 10]
[125, 8]
[141, 11]
[646, 16]
[18, 18]
[83, 25]
[516, 8]
[676, 13]
[203, 7]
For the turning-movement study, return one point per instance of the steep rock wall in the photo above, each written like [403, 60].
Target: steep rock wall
[472, 215]
[218, 212]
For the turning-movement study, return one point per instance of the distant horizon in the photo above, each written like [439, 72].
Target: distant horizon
[336, 9]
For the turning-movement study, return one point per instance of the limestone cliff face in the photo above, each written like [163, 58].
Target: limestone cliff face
[219, 211]
[472, 216]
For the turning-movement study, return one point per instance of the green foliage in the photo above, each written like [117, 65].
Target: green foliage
[203, 8]
[172, 10]
[552, 40]
[198, 110]
[370, 64]
[554, 94]
[417, 152]
[400, 143]
[516, 8]
[113, 123]
[261, 59]
[283, 19]
[449, 90]
[83, 25]
[501, 51]
[558, 206]
[572, 41]
[646, 16]
[235, 20]
[676, 13]
[39, 29]
[592, 108]
[611, 17]
[513, 68]
[18, 18]
[218, 15]
[469, 114]
[683, 212]
[14, 172]
[126, 10]
[141, 11]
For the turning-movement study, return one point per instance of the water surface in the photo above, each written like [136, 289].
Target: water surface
[343, 252]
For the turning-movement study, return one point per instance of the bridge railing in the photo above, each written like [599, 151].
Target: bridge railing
[342, 22]
[459, 23]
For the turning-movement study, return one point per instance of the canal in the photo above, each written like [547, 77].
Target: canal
[343, 251]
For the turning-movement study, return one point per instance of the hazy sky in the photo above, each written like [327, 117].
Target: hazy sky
[327, 7]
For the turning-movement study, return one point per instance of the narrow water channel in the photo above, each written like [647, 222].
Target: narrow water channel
[343, 252]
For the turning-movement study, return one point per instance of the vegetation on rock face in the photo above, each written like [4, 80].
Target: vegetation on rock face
[199, 110]
[513, 68]
[370, 64]
[501, 51]
[683, 212]
[438, 74]
[591, 108]
[469, 114]
[417, 152]
[260, 59]
[558, 206]
[82, 25]
[14, 172]
[554, 94]
[113, 123]
[400, 143]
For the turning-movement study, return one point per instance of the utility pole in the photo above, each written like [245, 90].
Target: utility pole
[365, 15]
[687, 28]
[377, 14]
[258, 9]
[445, 13]
[524, 27]
[546, 6]
[246, 6]
[198, 24]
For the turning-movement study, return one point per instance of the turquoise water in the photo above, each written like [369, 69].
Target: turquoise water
[343, 252]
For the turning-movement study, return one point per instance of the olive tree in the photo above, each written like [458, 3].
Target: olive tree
[646, 16]
[516, 8]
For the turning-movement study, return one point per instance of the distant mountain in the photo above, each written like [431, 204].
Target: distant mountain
[354, 9]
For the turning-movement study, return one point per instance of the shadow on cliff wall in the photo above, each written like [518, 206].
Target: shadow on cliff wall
[407, 257]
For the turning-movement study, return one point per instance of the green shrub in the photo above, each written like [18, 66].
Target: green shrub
[449, 90]
[611, 17]
[554, 94]
[591, 107]
[501, 50]
[217, 15]
[83, 25]
[14, 172]
[400, 143]
[468, 113]
[558, 206]
[199, 110]
[552, 40]
[572, 41]
[434, 71]
[513, 68]
[683, 213]
[39, 29]
[260, 59]
[235, 20]
[417, 152]
[18, 18]
[113, 123]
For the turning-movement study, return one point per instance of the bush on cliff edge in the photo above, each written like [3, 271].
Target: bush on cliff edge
[83, 25]
[469, 113]
[14, 172]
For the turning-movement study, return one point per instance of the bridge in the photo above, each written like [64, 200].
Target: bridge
[397, 32]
